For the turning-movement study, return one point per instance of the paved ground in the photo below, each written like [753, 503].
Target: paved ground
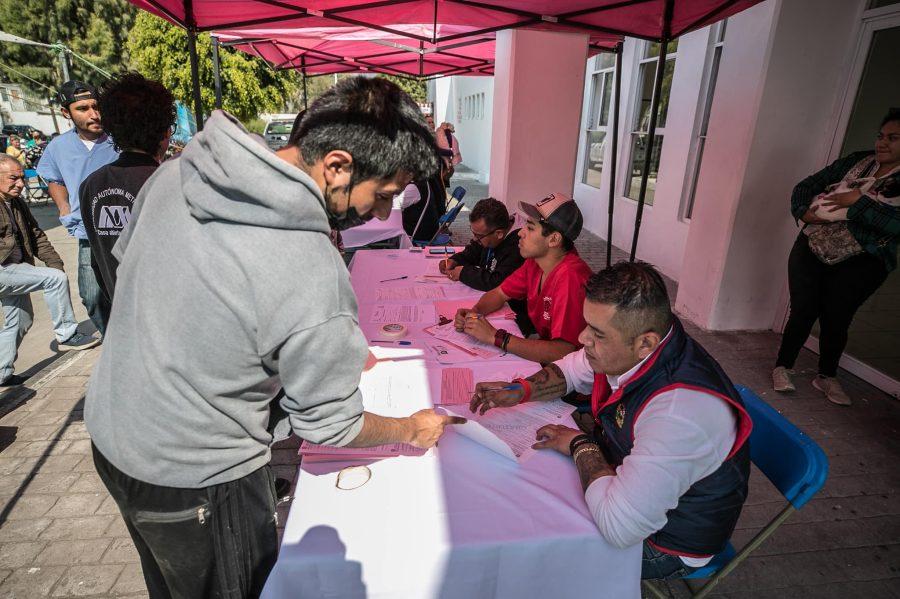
[61, 536]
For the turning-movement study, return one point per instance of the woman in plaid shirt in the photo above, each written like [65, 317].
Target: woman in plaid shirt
[831, 287]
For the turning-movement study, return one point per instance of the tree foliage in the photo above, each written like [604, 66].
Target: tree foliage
[416, 88]
[116, 36]
[159, 51]
[317, 85]
[95, 29]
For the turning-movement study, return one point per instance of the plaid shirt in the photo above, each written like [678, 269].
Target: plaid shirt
[876, 226]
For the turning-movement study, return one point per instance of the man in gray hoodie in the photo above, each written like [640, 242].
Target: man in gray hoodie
[228, 291]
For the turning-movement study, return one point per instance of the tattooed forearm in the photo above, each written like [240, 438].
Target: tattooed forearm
[548, 383]
[591, 466]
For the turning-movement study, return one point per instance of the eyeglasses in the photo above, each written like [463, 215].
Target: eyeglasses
[478, 237]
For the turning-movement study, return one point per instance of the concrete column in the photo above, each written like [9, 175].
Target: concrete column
[538, 88]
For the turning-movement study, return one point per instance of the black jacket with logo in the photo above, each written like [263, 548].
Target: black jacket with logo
[107, 199]
[484, 269]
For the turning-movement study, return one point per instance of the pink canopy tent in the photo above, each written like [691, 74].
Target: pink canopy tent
[649, 19]
[323, 51]
[428, 38]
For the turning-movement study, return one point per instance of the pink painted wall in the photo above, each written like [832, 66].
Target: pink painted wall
[782, 75]
[538, 87]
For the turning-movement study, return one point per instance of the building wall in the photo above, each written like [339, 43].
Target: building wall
[663, 232]
[772, 121]
[23, 108]
[40, 120]
[786, 73]
[467, 103]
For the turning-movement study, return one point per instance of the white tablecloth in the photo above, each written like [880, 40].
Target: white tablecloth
[461, 521]
[377, 230]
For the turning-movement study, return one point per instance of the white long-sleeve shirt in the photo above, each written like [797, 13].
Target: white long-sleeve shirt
[681, 437]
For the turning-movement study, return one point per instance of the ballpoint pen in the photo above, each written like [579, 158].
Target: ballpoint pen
[394, 279]
[512, 387]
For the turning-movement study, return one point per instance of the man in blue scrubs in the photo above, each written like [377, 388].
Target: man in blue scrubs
[66, 162]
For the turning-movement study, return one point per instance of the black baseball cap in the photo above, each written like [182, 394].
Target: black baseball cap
[559, 211]
[73, 91]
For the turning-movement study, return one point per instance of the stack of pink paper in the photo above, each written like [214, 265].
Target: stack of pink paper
[325, 453]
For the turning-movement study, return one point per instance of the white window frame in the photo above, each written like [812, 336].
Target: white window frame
[634, 131]
[707, 97]
[604, 77]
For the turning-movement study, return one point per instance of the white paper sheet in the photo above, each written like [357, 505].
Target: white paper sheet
[447, 332]
[405, 313]
[511, 431]
[385, 294]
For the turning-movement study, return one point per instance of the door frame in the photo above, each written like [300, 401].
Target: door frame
[873, 20]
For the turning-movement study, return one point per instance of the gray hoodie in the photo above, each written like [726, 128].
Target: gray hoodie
[228, 290]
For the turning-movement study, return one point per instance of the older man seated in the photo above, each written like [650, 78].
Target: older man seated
[667, 461]
[21, 241]
[551, 282]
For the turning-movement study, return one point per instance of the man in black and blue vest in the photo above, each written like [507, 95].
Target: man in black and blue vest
[667, 461]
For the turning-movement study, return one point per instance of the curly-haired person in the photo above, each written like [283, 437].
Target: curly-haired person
[138, 114]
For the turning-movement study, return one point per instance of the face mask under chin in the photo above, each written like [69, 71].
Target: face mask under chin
[342, 222]
[348, 220]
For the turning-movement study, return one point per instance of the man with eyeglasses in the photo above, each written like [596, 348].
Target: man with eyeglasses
[66, 162]
[138, 113]
[491, 256]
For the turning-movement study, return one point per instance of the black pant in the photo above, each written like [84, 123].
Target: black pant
[216, 542]
[832, 294]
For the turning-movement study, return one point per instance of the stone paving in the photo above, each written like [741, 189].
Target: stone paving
[61, 534]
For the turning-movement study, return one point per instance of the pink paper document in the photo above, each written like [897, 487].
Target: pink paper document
[326, 453]
[456, 386]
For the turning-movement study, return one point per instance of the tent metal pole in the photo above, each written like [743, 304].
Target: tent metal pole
[63, 62]
[216, 73]
[421, 59]
[195, 67]
[651, 132]
[617, 95]
[305, 91]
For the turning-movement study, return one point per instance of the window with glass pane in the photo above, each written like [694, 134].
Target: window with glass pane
[641, 125]
[719, 37]
[598, 121]
[605, 60]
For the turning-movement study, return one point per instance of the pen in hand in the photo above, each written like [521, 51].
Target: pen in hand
[504, 388]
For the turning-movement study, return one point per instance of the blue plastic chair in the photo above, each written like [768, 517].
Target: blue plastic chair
[34, 183]
[793, 462]
[442, 237]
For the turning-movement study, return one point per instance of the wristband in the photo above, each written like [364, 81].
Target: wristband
[585, 449]
[576, 441]
[499, 335]
[506, 339]
[526, 386]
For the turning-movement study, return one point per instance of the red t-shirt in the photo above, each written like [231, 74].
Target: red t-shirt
[556, 309]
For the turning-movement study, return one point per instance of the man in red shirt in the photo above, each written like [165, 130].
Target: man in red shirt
[551, 281]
